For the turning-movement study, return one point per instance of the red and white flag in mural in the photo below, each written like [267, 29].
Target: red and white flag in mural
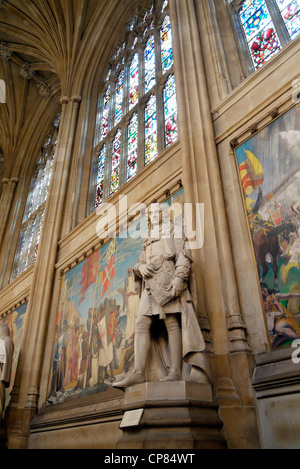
[89, 274]
[109, 271]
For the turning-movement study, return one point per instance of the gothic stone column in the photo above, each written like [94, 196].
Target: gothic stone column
[30, 363]
[216, 283]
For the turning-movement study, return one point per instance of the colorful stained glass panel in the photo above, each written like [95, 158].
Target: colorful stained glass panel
[166, 45]
[119, 98]
[100, 176]
[255, 16]
[262, 40]
[170, 111]
[132, 147]
[115, 163]
[150, 130]
[149, 54]
[104, 123]
[265, 45]
[290, 12]
[134, 81]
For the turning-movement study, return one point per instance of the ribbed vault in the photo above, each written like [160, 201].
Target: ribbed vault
[49, 49]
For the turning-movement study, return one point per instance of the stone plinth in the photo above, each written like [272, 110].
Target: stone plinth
[170, 415]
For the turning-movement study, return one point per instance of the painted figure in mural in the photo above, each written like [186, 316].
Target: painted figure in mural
[282, 324]
[265, 240]
[6, 359]
[167, 331]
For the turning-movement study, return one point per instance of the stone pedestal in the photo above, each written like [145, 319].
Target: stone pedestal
[170, 415]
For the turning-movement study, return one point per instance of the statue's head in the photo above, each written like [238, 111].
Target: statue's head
[158, 215]
[4, 330]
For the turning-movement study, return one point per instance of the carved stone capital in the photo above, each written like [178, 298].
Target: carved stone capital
[5, 52]
[43, 88]
[25, 71]
[76, 100]
[64, 100]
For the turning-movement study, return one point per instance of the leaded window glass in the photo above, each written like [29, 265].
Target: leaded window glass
[134, 81]
[32, 221]
[100, 175]
[268, 25]
[261, 37]
[150, 130]
[115, 163]
[149, 63]
[166, 45]
[290, 12]
[170, 111]
[132, 143]
[106, 100]
[119, 98]
[137, 111]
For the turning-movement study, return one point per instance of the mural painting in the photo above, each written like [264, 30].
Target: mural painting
[269, 170]
[15, 321]
[95, 323]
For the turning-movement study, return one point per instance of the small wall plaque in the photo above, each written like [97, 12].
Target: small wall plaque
[131, 418]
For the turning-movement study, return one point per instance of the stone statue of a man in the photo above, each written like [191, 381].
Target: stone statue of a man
[167, 331]
[6, 358]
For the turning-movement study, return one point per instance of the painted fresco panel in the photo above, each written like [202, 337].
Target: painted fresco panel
[95, 323]
[269, 171]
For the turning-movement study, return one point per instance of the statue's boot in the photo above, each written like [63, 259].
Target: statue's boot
[130, 380]
[175, 344]
[173, 375]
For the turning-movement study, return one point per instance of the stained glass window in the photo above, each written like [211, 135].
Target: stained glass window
[115, 163]
[29, 237]
[268, 26]
[119, 98]
[104, 126]
[100, 176]
[138, 92]
[134, 81]
[170, 111]
[150, 130]
[290, 12]
[166, 45]
[149, 64]
[261, 37]
[132, 147]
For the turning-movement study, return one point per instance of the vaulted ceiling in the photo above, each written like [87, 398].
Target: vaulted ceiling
[48, 49]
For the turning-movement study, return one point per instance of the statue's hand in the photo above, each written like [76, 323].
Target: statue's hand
[146, 271]
[177, 286]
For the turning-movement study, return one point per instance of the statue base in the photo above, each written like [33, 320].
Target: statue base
[170, 415]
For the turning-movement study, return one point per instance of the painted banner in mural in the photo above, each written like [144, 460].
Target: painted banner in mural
[15, 321]
[95, 323]
[269, 170]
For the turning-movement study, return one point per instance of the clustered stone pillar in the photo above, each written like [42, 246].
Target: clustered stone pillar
[213, 263]
[8, 190]
[26, 390]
